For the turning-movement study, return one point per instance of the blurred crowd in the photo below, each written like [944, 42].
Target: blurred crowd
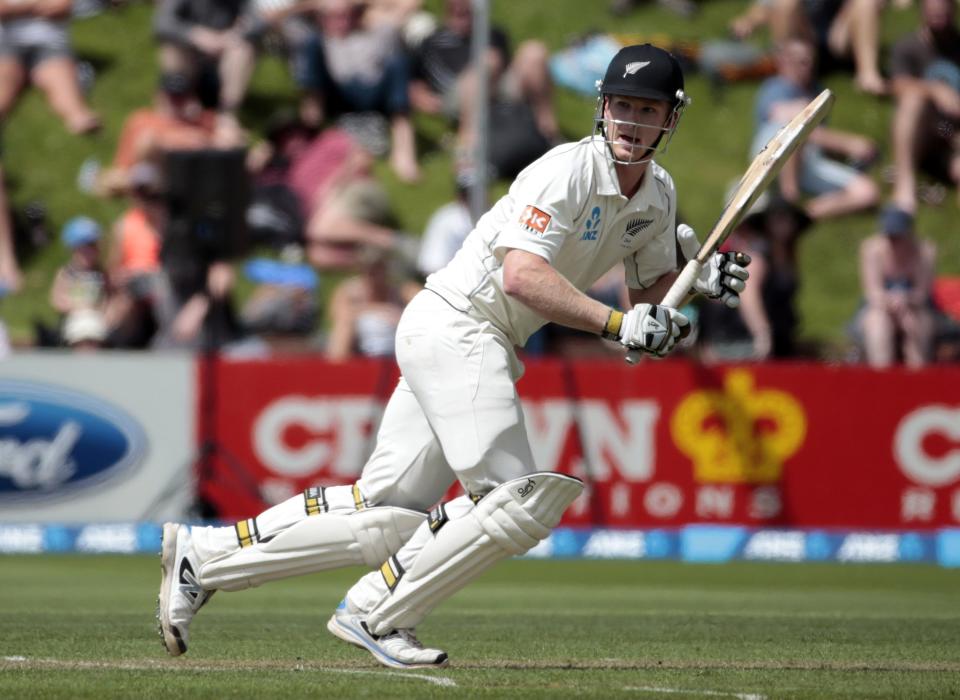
[211, 206]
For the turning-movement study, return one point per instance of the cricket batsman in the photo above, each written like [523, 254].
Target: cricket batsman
[455, 414]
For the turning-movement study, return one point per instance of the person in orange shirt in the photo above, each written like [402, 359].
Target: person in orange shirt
[134, 259]
[175, 121]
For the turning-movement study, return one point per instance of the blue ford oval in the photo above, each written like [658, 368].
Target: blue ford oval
[54, 440]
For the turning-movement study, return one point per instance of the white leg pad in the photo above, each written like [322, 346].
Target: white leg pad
[316, 543]
[509, 520]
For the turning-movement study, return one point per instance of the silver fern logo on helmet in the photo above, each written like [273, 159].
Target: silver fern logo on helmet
[632, 68]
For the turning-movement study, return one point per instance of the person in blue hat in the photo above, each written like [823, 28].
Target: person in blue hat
[81, 283]
[896, 274]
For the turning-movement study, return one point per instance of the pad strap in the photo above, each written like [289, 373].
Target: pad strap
[509, 520]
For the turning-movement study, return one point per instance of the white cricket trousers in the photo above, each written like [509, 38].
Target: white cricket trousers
[455, 413]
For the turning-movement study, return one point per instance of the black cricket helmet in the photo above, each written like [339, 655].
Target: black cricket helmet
[646, 71]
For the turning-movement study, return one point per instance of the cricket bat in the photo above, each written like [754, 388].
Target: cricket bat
[762, 171]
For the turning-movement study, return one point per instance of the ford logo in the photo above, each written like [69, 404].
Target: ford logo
[54, 440]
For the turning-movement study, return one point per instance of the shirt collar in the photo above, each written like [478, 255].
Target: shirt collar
[607, 183]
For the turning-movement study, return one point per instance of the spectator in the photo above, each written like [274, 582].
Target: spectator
[765, 324]
[840, 30]
[522, 120]
[82, 282]
[283, 306]
[447, 228]
[212, 40]
[896, 275]
[175, 121]
[331, 177]
[35, 47]
[352, 67]
[365, 310]
[134, 258]
[833, 188]
[925, 68]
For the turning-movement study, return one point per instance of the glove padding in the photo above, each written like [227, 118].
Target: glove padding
[723, 277]
[652, 328]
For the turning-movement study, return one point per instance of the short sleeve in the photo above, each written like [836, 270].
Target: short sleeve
[543, 198]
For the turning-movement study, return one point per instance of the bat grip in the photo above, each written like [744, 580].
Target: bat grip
[675, 297]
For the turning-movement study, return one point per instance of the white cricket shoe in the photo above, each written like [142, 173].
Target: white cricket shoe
[181, 595]
[397, 649]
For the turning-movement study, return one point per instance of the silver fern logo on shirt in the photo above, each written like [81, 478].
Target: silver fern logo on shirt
[635, 226]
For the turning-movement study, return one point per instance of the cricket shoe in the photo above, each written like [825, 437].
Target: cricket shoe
[181, 595]
[397, 649]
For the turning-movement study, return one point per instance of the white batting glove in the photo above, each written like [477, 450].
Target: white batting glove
[652, 328]
[723, 277]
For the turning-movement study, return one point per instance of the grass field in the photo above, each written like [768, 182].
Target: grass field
[76, 627]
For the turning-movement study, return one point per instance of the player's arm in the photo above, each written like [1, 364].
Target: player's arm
[532, 280]
[648, 327]
[655, 292]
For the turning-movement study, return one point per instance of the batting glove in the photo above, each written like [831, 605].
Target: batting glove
[648, 328]
[723, 277]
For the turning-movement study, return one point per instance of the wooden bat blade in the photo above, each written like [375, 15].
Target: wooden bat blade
[765, 167]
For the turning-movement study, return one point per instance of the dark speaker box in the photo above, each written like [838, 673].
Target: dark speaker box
[208, 192]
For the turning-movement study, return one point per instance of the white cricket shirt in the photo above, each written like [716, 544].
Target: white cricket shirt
[567, 208]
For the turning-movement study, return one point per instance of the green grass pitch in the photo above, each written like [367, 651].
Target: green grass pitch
[79, 627]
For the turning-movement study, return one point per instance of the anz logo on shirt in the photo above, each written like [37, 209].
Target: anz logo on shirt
[591, 229]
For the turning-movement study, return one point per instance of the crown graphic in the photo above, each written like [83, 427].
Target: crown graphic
[740, 434]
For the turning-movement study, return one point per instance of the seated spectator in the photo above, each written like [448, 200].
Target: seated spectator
[134, 258]
[765, 324]
[839, 30]
[175, 121]
[82, 282]
[523, 124]
[896, 321]
[832, 188]
[365, 310]
[447, 228]
[925, 69]
[283, 305]
[211, 41]
[331, 178]
[352, 67]
[35, 47]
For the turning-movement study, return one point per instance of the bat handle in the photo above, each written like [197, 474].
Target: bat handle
[675, 297]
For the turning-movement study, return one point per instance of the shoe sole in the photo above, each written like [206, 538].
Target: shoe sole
[349, 636]
[169, 634]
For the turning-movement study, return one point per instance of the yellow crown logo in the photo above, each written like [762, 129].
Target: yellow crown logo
[740, 434]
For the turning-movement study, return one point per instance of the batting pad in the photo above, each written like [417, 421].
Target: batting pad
[508, 521]
[317, 543]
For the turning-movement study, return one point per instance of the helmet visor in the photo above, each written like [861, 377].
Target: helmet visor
[636, 130]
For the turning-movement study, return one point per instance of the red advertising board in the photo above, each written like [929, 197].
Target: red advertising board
[662, 444]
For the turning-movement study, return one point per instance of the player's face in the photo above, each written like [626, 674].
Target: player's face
[633, 125]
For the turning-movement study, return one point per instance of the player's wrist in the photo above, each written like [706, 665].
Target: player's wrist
[611, 329]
